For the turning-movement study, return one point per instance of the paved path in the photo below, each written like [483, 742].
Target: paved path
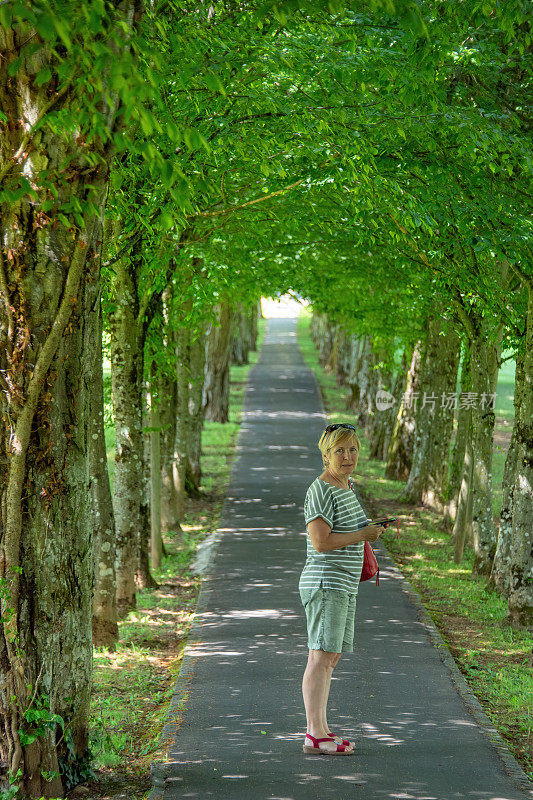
[243, 722]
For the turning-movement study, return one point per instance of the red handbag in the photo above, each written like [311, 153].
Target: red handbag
[370, 564]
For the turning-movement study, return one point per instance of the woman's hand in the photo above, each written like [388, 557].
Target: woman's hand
[371, 532]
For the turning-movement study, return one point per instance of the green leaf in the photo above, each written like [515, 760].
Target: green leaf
[27, 738]
[214, 83]
[116, 179]
[173, 132]
[167, 221]
[194, 140]
[45, 26]
[14, 66]
[6, 15]
[168, 174]
[43, 76]
[62, 30]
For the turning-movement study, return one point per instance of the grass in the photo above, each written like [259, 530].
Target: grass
[132, 686]
[495, 659]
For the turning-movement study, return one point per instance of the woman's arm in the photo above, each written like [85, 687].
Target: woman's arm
[323, 540]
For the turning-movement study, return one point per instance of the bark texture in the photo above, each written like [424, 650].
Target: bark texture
[462, 527]
[168, 419]
[49, 277]
[143, 576]
[400, 449]
[241, 336]
[501, 577]
[384, 418]
[156, 543]
[485, 362]
[464, 422]
[520, 564]
[196, 411]
[363, 382]
[434, 422]
[127, 351]
[105, 628]
[217, 364]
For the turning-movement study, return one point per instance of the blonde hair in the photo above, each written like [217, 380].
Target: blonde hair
[330, 438]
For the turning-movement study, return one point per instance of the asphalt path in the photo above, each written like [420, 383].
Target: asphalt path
[237, 721]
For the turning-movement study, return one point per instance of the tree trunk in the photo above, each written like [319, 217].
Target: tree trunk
[155, 475]
[254, 313]
[196, 411]
[49, 272]
[169, 412]
[168, 382]
[386, 417]
[190, 411]
[330, 364]
[501, 577]
[323, 337]
[143, 576]
[400, 450]
[104, 624]
[520, 567]
[126, 378]
[434, 417]
[361, 382]
[458, 455]
[47, 329]
[344, 349]
[462, 529]
[485, 360]
[218, 352]
[240, 341]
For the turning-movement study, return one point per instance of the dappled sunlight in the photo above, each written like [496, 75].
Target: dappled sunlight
[373, 732]
[213, 619]
[278, 415]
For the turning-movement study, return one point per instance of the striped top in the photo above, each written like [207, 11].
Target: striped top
[341, 509]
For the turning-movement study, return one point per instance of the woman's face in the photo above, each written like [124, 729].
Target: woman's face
[342, 457]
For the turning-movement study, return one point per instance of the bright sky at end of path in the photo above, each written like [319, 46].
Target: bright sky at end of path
[284, 306]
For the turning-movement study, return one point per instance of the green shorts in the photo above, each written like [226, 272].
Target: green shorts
[330, 619]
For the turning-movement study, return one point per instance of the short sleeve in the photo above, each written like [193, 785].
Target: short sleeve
[318, 503]
[363, 509]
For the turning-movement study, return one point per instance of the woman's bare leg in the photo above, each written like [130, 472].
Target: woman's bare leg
[315, 688]
[325, 704]
[326, 694]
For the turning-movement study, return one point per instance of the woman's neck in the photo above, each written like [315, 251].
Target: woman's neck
[342, 482]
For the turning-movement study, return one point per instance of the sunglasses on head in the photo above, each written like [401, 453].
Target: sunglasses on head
[337, 425]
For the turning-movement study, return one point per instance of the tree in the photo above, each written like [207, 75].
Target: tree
[64, 85]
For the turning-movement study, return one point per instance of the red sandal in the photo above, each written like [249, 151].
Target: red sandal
[346, 742]
[315, 749]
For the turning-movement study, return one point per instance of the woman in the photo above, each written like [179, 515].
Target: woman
[337, 527]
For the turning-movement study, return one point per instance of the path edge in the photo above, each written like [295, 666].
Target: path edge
[202, 565]
[510, 764]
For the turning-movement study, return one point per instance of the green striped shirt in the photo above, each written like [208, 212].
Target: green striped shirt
[341, 509]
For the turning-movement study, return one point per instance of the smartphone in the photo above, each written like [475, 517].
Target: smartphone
[385, 521]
